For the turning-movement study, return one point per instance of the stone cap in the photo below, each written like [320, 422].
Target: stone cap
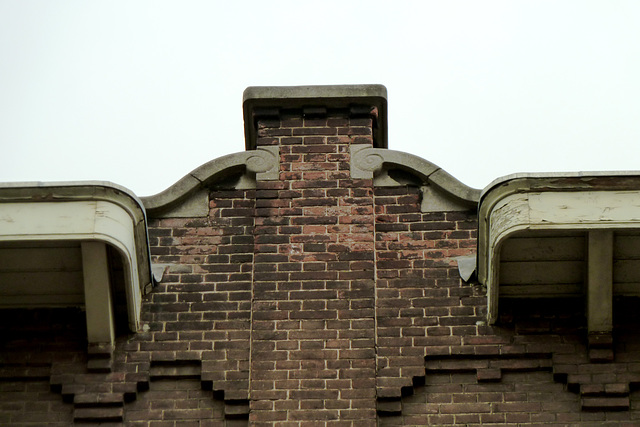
[257, 99]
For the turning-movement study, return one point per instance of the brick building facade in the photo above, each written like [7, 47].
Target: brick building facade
[319, 278]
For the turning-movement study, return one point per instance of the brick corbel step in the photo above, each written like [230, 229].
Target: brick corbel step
[92, 404]
[389, 388]
[192, 369]
[611, 396]
[98, 407]
[88, 407]
[487, 369]
[605, 397]
[99, 358]
[585, 377]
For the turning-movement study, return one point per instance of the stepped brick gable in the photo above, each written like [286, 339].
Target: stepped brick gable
[320, 278]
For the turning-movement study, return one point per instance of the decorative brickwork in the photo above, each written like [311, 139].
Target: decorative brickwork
[170, 400]
[422, 305]
[305, 292]
[532, 370]
[202, 309]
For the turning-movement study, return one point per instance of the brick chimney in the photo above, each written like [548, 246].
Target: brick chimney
[313, 326]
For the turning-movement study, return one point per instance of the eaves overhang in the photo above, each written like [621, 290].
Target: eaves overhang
[550, 206]
[82, 211]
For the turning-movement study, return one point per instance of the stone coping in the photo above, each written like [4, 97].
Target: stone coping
[327, 96]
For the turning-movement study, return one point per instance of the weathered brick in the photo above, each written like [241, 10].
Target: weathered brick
[317, 294]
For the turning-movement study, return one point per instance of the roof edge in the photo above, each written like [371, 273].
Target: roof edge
[317, 93]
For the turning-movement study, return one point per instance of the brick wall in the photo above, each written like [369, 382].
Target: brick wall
[200, 315]
[32, 344]
[180, 401]
[196, 328]
[320, 299]
[202, 308]
[533, 369]
[422, 305]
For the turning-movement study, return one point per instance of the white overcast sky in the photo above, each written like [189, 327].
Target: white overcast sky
[141, 92]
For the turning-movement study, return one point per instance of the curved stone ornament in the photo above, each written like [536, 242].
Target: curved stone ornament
[264, 162]
[367, 162]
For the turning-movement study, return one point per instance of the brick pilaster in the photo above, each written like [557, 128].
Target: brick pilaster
[313, 334]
